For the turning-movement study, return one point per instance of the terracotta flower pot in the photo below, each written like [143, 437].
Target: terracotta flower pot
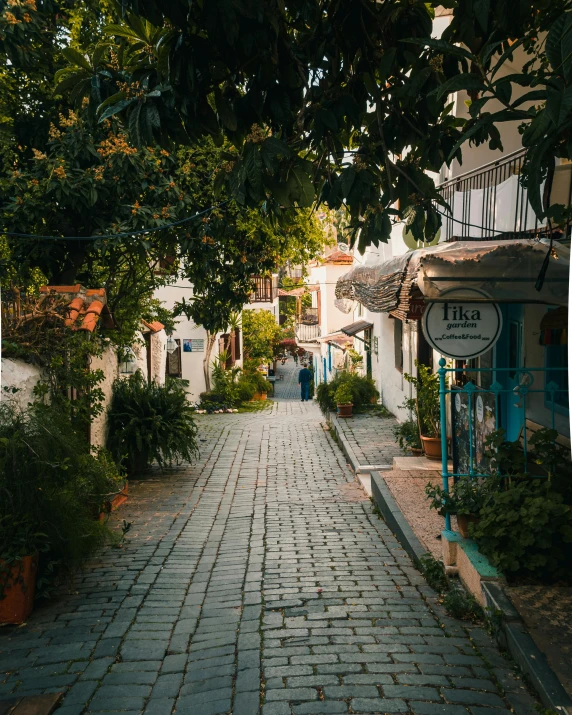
[259, 396]
[463, 521]
[416, 451]
[431, 447]
[345, 410]
[18, 589]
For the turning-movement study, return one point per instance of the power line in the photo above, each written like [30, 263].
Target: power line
[123, 234]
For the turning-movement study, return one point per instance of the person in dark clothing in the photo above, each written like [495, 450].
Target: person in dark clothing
[304, 379]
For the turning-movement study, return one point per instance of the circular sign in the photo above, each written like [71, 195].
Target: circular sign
[462, 329]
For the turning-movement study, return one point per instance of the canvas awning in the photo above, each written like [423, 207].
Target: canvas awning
[507, 271]
[358, 327]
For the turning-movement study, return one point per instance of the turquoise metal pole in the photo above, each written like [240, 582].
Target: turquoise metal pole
[443, 414]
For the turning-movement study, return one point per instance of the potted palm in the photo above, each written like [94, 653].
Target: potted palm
[343, 399]
[427, 408]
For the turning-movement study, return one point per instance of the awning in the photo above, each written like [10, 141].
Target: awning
[339, 338]
[357, 327]
[507, 271]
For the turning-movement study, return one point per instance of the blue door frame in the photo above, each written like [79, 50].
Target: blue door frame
[509, 359]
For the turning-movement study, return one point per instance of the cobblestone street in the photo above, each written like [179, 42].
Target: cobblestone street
[258, 577]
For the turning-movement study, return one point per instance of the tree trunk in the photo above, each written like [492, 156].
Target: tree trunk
[211, 337]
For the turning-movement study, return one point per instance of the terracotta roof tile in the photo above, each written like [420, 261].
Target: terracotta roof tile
[85, 307]
[339, 257]
[154, 327]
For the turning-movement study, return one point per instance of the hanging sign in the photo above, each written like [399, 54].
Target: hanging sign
[462, 329]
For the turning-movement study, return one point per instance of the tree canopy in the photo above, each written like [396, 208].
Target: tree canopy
[345, 103]
[64, 175]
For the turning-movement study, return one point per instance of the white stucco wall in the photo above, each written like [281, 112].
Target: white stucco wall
[20, 375]
[192, 363]
[109, 364]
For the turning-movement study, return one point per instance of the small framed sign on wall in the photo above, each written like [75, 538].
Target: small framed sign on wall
[193, 345]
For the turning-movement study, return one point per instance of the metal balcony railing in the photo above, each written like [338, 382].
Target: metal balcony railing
[490, 203]
[307, 333]
[309, 316]
[265, 289]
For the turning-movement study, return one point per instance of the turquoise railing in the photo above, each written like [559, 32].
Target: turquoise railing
[524, 379]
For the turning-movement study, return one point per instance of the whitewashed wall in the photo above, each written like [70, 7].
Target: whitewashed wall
[20, 375]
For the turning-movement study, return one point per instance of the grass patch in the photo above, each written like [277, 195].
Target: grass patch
[456, 601]
[256, 406]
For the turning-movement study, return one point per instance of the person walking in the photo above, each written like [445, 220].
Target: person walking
[304, 379]
[295, 355]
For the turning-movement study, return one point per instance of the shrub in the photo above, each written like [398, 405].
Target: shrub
[150, 422]
[260, 383]
[363, 391]
[467, 496]
[245, 390]
[526, 530]
[407, 435]
[426, 405]
[52, 488]
[343, 395]
[225, 384]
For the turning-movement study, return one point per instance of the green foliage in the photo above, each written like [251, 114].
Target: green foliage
[260, 337]
[467, 496]
[363, 391]
[426, 403]
[434, 573]
[407, 435]
[52, 488]
[462, 605]
[150, 422]
[456, 601]
[526, 530]
[225, 385]
[343, 394]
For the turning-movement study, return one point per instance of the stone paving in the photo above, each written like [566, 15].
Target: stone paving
[256, 580]
[371, 438]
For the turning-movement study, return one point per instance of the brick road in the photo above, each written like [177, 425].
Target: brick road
[257, 578]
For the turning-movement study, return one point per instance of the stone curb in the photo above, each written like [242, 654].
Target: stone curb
[512, 634]
[349, 454]
[393, 517]
[345, 445]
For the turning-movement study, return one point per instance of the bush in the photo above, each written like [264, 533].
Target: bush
[363, 391]
[150, 422]
[245, 390]
[407, 435]
[343, 395]
[467, 496]
[225, 385]
[526, 530]
[52, 489]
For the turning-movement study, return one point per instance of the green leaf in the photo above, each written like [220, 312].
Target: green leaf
[481, 10]
[467, 81]
[442, 46]
[77, 58]
[116, 108]
[225, 111]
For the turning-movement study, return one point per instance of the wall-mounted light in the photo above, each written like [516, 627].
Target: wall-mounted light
[171, 345]
[128, 364]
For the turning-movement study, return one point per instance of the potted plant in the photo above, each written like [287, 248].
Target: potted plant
[465, 499]
[261, 384]
[407, 436]
[18, 566]
[343, 399]
[426, 406]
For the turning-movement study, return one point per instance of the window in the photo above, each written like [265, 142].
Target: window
[398, 343]
[173, 368]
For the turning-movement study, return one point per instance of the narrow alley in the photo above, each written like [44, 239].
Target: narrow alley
[259, 577]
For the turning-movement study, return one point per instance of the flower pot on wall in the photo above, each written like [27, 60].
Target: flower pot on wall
[463, 521]
[432, 447]
[17, 589]
[345, 410]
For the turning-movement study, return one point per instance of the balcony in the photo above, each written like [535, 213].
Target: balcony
[307, 333]
[265, 289]
[489, 202]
